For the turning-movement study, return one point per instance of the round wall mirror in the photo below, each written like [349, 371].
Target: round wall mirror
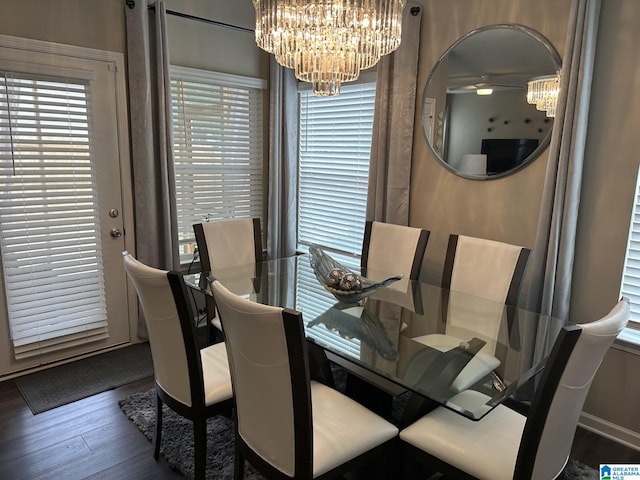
[475, 113]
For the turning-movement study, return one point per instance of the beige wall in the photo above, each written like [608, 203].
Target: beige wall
[202, 45]
[85, 23]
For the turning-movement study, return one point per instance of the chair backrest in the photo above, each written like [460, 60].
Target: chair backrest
[480, 276]
[393, 249]
[485, 268]
[559, 398]
[269, 367]
[167, 314]
[229, 243]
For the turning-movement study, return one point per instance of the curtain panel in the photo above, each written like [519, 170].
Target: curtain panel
[392, 144]
[151, 146]
[283, 161]
[551, 267]
[552, 263]
[150, 111]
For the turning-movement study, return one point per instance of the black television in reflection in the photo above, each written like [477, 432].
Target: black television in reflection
[504, 154]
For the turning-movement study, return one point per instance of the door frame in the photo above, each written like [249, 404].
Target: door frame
[115, 61]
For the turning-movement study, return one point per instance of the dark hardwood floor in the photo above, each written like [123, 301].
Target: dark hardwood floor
[92, 439]
[593, 449]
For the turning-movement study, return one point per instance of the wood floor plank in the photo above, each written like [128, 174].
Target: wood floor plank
[37, 461]
[99, 459]
[42, 432]
[141, 467]
[8, 392]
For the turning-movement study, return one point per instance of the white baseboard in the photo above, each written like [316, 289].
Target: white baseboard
[609, 430]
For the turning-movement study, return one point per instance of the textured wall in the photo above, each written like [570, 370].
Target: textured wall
[66, 21]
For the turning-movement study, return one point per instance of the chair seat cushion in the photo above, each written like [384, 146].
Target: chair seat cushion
[343, 429]
[215, 371]
[481, 365]
[486, 449]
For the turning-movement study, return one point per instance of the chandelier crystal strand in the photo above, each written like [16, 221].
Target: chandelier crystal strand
[543, 93]
[328, 42]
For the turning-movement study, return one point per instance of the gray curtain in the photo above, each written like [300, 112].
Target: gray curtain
[150, 108]
[283, 126]
[150, 113]
[552, 262]
[392, 144]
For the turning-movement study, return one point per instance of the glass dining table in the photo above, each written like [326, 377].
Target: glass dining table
[434, 343]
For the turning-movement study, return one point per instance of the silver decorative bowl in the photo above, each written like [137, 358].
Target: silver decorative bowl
[345, 285]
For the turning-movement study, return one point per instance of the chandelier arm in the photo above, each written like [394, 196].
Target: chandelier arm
[205, 20]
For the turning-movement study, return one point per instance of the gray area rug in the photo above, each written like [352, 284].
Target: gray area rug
[73, 381]
[177, 440]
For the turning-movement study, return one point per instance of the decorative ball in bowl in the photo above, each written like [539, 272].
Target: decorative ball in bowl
[345, 285]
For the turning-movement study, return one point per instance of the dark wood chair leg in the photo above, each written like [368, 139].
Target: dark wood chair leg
[411, 469]
[238, 464]
[200, 447]
[157, 434]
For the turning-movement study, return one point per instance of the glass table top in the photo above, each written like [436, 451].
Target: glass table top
[437, 343]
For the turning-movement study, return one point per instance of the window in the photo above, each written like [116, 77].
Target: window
[334, 152]
[218, 149]
[51, 249]
[631, 274]
[334, 148]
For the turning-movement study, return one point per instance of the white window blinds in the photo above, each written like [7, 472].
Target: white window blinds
[334, 153]
[314, 304]
[631, 276]
[50, 242]
[218, 149]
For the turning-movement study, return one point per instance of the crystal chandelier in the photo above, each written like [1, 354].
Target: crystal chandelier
[543, 93]
[328, 42]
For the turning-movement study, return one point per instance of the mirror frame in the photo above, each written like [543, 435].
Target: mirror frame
[542, 145]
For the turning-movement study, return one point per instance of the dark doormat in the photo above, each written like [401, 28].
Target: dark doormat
[73, 381]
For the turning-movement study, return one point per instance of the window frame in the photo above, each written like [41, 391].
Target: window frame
[220, 80]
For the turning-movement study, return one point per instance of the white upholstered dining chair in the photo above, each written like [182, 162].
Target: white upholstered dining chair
[481, 276]
[287, 425]
[506, 445]
[229, 243]
[225, 244]
[387, 249]
[393, 249]
[193, 382]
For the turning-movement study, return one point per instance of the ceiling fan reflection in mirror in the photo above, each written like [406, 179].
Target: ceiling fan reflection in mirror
[483, 85]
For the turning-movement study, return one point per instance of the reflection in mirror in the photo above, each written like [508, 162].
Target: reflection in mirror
[475, 114]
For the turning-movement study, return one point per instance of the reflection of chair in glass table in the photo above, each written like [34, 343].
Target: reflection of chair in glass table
[493, 272]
